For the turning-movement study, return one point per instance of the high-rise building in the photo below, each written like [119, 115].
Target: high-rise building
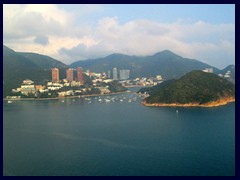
[115, 75]
[124, 74]
[55, 75]
[109, 74]
[80, 75]
[69, 73]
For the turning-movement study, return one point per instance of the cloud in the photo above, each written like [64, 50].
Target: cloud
[68, 35]
[43, 40]
[207, 42]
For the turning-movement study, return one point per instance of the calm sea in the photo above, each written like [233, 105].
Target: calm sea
[94, 137]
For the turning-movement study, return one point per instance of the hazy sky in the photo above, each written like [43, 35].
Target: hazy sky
[78, 32]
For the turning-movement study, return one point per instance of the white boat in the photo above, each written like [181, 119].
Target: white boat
[107, 100]
[9, 102]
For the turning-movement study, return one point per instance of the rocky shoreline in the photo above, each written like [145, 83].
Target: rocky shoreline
[220, 102]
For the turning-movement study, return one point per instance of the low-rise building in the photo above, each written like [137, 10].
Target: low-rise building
[74, 83]
[107, 80]
[65, 93]
[208, 70]
[39, 87]
[27, 89]
[104, 90]
[27, 82]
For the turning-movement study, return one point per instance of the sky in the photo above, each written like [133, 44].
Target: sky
[84, 31]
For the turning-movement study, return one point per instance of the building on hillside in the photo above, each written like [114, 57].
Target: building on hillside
[208, 70]
[69, 74]
[124, 74]
[109, 74]
[159, 77]
[55, 75]
[27, 82]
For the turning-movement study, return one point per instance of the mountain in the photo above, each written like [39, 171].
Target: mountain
[17, 68]
[11, 58]
[196, 87]
[43, 61]
[166, 63]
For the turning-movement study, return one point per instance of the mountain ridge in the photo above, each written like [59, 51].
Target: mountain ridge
[165, 63]
[43, 61]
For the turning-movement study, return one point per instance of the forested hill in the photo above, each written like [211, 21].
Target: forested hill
[194, 87]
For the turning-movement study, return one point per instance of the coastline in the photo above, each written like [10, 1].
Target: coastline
[69, 97]
[220, 102]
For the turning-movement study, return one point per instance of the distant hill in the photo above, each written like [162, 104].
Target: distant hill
[43, 61]
[166, 63]
[195, 87]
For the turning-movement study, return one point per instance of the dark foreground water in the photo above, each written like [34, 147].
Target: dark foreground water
[89, 137]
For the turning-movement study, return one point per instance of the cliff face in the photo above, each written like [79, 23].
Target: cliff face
[196, 88]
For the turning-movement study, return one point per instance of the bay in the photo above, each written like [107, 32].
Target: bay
[89, 137]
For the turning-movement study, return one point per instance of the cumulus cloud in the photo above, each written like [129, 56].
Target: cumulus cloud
[49, 30]
[206, 42]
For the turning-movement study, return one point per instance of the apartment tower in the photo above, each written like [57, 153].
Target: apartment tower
[55, 75]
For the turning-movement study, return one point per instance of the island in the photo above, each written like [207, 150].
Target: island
[197, 88]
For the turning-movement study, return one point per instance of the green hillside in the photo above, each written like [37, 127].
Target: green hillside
[196, 86]
[43, 61]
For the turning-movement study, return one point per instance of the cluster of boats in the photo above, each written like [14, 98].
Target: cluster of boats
[107, 99]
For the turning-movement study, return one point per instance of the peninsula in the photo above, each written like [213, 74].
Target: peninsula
[195, 89]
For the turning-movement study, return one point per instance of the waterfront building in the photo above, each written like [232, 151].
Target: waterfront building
[124, 74]
[27, 89]
[55, 75]
[109, 74]
[69, 73]
[80, 75]
[115, 74]
[88, 72]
